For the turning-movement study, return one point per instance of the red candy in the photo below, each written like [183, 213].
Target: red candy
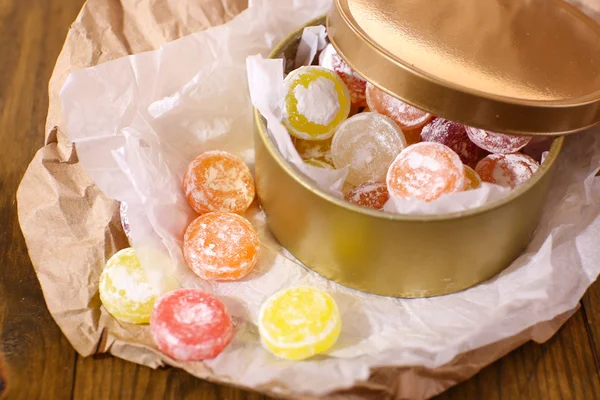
[369, 194]
[454, 136]
[190, 325]
[508, 170]
[331, 60]
[498, 143]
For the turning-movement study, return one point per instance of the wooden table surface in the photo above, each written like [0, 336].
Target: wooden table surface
[36, 360]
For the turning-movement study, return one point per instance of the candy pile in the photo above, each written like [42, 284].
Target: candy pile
[337, 119]
[219, 245]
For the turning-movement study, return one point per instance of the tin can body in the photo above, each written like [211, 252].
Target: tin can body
[386, 254]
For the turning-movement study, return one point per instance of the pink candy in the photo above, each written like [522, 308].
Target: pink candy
[190, 325]
[497, 143]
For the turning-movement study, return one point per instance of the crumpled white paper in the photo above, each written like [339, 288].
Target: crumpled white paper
[139, 120]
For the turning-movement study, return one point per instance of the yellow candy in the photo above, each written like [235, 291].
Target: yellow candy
[316, 102]
[298, 323]
[319, 149]
[347, 187]
[472, 178]
[315, 162]
[124, 288]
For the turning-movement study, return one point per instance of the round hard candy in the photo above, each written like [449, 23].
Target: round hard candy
[317, 149]
[191, 325]
[367, 143]
[508, 170]
[425, 171]
[369, 194]
[316, 102]
[299, 323]
[454, 136]
[221, 246]
[405, 115]
[497, 143]
[218, 181]
[124, 288]
[472, 178]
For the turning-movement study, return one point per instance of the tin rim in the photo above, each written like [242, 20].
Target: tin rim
[495, 112]
[307, 182]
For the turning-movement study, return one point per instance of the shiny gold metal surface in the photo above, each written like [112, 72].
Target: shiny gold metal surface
[388, 254]
[514, 66]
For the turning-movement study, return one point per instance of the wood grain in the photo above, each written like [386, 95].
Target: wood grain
[591, 309]
[105, 377]
[36, 361]
[39, 362]
[562, 368]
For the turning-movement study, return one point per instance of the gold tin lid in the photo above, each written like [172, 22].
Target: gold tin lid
[513, 66]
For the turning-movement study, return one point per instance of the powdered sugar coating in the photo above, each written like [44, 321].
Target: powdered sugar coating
[221, 246]
[367, 143]
[497, 143]
[218, 181]
[191, 325]
[356, 84]
[425, 171]
[125, 290]
[369, 194]
[316, 101]
[405, 115]
[453, 135]
[299, 322]
[508, 170]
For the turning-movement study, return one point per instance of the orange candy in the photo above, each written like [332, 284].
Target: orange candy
[221, 246]
[369, 194]
[508, 170]
[425, 171]
[218, 181]
[472, 179]
[409, 118]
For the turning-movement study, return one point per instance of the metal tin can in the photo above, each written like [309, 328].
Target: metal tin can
[389, 254]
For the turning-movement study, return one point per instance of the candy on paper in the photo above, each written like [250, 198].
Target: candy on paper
[191, 325]
[299, 322]
[124, 288]
[221, 246]
[218, 181]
